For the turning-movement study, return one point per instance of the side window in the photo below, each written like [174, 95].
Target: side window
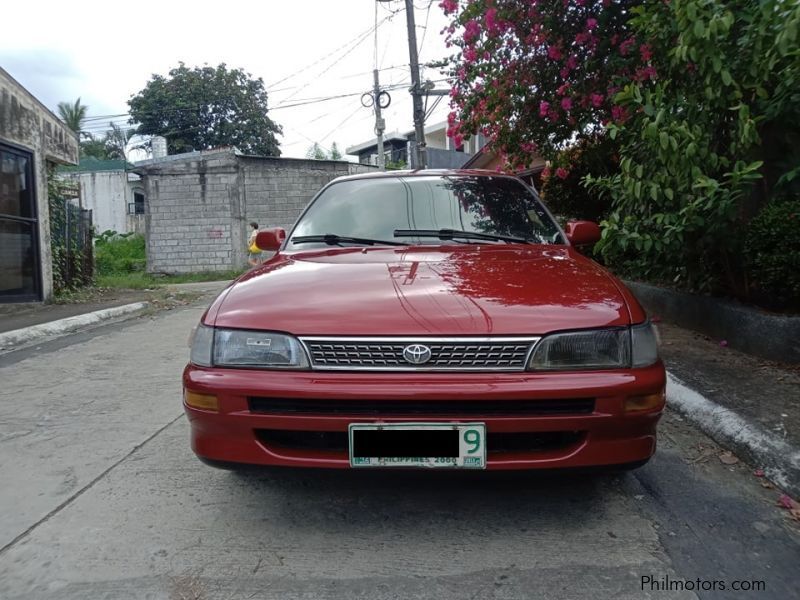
[137, 206]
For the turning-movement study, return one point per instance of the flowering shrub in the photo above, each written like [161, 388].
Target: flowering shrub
[701, 99]
[533, 75]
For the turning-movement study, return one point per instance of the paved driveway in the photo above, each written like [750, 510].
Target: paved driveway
[101, 497]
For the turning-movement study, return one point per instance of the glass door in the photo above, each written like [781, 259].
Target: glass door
[19, 227]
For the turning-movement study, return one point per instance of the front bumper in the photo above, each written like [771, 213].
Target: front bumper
[605, 436]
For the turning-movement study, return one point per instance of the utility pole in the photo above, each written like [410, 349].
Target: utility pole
[416, 88]
[380, 124]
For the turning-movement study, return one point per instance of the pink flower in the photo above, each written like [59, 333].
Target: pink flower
[449, 6]
[645, 52]
[625, 46]
[546, 173]
[554, 52]
[572, 61]
[471, 30]
[597, 100]
[543, 108]
[643, 74]
[619, 114]
[591, 24]
[561, 173]
[470, 55]
[566, 104]
[491, 16]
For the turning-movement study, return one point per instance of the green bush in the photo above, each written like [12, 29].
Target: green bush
[119, 253]
[772, 251]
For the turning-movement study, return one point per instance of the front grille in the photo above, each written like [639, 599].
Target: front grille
[386, 354]
[496, 443]
[444, 408]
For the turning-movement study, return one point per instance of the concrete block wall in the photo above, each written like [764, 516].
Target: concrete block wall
[277, 191]
[198, 206]
[188, 206]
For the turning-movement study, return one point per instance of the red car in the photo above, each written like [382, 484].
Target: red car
[425, 319]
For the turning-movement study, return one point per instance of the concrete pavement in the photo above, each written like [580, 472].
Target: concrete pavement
[102, 498]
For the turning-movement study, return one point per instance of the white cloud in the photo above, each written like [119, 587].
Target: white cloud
[105, 52]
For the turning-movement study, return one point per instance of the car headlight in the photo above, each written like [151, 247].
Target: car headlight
[241, 348]
[596, 349]
[644, 345]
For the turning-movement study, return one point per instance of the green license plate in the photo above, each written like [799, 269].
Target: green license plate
[427, 445]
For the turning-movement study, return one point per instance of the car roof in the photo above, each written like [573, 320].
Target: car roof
[423, 173]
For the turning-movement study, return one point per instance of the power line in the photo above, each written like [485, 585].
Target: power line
[339, 59]
[425, 28]
[321, 59]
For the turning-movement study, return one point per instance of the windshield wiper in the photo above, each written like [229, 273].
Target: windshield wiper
[449, 234]
[334, 240]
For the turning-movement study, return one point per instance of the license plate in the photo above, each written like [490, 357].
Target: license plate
[429, 445]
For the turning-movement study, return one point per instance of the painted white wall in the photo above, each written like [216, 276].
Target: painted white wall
[107, 194]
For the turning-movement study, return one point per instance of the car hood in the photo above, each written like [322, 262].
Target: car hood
[419, 290]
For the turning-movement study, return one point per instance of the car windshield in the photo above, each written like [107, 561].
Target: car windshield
[394, 208]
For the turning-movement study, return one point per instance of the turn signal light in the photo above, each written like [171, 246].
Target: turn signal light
[649, 402]
[201, 401]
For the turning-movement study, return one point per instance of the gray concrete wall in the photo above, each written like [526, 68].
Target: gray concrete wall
[198, 205]
[27, 123]
[745, 328]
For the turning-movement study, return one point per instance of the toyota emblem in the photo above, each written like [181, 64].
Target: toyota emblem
[417, 354]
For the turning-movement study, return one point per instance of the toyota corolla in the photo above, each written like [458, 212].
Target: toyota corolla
[425, 319]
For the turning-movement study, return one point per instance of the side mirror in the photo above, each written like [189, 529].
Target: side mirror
[270, 239]
[583, 233]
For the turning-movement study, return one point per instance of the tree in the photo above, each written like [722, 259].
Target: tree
[73, 114]
[316, 152]
[335, 153]
[206, 107]
[94, 148]
[112, 145]
[116, 141]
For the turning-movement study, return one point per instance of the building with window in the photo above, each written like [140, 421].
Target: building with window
[442, 151]
[32, 141]
[395, 150]
[113, 193]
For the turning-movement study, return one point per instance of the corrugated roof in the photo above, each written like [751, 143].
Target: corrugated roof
[89, 164]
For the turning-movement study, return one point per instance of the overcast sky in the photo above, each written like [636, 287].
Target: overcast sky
[105, 52]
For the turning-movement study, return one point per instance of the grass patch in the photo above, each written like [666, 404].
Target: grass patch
[120, 264]
[139, 280]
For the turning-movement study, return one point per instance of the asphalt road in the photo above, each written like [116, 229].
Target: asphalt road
[101, 497]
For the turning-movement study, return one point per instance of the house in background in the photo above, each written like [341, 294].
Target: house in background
[113, 192]
[395, 150]
[32, 139]
[488, 159]
[442, 153]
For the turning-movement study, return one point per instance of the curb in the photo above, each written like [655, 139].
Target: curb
[11, 340]
[779, 460]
